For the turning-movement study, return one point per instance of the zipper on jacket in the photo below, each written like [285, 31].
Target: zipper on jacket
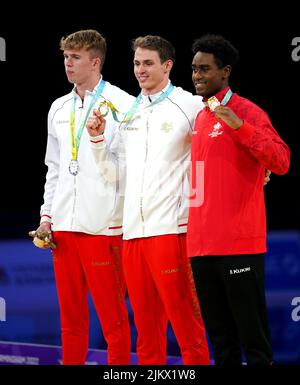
[81, 109]
[143, 174]
[74, 202]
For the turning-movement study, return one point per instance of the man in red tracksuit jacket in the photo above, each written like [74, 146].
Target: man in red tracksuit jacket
[233, 144]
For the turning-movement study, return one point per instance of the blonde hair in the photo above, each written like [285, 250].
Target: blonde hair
[89, 39]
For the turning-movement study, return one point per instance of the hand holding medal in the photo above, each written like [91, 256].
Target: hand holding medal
[228, 116]
[223, 112]
[213, 103]
[42, 239]
[105, 106]
[95, 124]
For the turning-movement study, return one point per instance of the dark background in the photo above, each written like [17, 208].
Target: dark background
[33, 76]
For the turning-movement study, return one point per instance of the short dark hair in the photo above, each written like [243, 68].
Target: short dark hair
[224, 52]
[165, 49]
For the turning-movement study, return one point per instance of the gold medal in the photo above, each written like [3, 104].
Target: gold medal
[42, 239]
[213, 102]
[103, 108]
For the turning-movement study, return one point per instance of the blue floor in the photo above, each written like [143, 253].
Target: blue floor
[29, 310]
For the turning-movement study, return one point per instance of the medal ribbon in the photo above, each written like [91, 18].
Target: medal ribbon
[109, 106]
[225, 100]
[75, 141]
[129, 115]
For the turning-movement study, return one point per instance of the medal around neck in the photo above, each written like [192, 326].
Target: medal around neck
[74, 167]
[213, 103]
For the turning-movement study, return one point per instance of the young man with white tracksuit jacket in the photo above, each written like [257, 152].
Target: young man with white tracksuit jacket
[152, 148]
[80, 207]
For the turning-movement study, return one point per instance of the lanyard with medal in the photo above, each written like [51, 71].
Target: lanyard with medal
[131, 113]
[75, 140]
[106, 105]
[213, 102]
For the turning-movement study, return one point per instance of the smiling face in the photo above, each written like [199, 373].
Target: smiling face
[207, 77]
[151, 74]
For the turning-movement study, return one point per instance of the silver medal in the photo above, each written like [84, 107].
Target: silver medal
[74, 167]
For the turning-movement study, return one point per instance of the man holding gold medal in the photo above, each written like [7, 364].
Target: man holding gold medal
[153, 146]
[237, 143]
[82, 212]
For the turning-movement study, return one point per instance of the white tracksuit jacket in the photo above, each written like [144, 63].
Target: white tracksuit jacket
[85, 202]
[153, 151]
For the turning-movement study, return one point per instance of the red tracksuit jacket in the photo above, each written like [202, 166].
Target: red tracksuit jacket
[232, 219]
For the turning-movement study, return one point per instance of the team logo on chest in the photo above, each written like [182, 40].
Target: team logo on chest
[216, 130]
[166, 127]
